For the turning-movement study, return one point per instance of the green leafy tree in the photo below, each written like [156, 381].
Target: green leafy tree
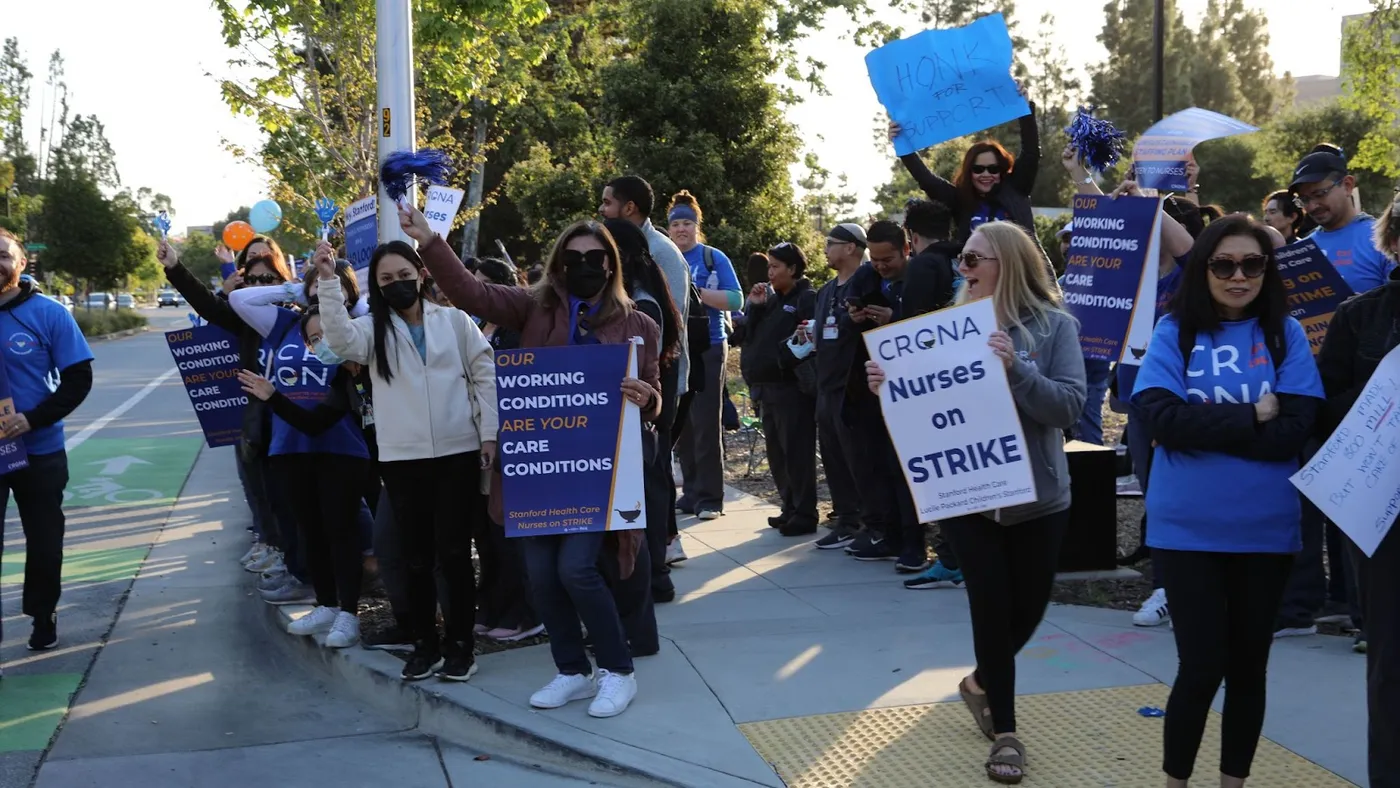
[88, 236]
[1122, 84]
[14, 98]
[1292, 135]
[1370, 52]
[1228, 176]
[197, 254]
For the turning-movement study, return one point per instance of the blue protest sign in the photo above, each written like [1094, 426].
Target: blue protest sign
[361, 234]
[1315, 289]
[570, 443]
[13, 457]
[1161, 153]
[1108, 252]
[207, 358]
[939, 85]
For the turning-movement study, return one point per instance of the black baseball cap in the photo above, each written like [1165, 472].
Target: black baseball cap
[1316, 167]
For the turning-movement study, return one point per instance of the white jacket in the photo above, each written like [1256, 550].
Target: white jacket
[439, 408]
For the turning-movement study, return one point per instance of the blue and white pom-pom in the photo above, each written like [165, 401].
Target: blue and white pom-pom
[1098, 142]
[400, 170]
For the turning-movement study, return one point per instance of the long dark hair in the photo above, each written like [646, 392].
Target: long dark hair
[348, 283]
[1193, 307]
[963, 181]
[279, 260]
[498, 271]
[379, 307]
[614, 303]
[639, 269]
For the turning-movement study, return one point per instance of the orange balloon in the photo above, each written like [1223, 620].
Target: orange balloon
[237, 235]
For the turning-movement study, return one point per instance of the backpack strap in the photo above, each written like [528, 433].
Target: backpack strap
[708, 255]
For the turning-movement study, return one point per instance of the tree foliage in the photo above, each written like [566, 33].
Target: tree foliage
[14, 99]
[1370, 52]
[1292, 135]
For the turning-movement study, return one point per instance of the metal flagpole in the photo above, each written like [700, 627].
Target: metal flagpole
[394, 63]
[1159, 47]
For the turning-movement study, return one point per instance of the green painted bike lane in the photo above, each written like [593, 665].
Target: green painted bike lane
[107, 477]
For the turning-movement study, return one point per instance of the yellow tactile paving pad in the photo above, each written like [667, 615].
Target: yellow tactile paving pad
[1090, 739]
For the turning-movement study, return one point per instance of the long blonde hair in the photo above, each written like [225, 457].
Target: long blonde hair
[1024, 286]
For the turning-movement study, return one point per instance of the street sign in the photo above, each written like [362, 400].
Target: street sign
[36, 248]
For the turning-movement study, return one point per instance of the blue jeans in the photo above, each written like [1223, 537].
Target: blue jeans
[566, 586]
[1090, 426]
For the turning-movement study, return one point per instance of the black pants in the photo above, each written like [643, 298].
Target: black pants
[1009, 571]
[326, 502]
[790, 432]
[833, 435]
[38, 492]
[701, 445]
[393, 566]
[1316, 578]
[886, 505]
[660, 489]
[502, 595]
[1378, 581]
[434, 502]
[1223, 607]
[636, 607]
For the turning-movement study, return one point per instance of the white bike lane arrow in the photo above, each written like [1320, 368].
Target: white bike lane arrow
[116, 466]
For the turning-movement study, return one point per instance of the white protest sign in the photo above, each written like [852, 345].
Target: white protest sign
[1359, 466]
[441, 208]
[948, 408]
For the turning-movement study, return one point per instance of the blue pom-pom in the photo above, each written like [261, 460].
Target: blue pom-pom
[399, 170]
[1098, 143]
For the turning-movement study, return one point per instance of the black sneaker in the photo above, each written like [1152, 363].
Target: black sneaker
[395, 638]
[779, 521]
[862, 542]
[460, 664]
[798, 528]
[837, 538]
[45, 635]
[423, 663]
[877, 550]
[664, 596]
[912, 561]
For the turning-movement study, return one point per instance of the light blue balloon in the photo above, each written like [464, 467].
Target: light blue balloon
[265, 216]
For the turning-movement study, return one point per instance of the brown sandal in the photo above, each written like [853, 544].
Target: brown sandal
[1016, 760]
[981, 711]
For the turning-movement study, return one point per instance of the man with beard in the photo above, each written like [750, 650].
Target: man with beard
[49, 366]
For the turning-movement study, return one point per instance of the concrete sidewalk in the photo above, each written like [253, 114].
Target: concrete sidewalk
[782, 664]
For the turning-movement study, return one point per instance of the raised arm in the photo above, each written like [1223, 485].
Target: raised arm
[1028, 160]
[258, 305]
[499, 304]
[197, 294]
[352, 340]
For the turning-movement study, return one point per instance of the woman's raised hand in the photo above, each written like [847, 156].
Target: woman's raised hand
[324, 260]
[895, 130]
[166, 254]
[415, 224]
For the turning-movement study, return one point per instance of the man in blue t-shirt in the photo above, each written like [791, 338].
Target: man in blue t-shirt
[1322, 187]
[49, 367]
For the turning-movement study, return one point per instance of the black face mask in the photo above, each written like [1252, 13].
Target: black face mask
[585, 273]
[402, 294]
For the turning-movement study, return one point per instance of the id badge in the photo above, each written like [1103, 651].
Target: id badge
[830, 331]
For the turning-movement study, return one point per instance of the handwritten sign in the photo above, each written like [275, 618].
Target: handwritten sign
[1355, 477]
[207, 359]
[361, 236]
[13, 456]
[939, 85]
[948, 408]
[1108, 253]
[1162, 151]
[1315, 288]
[570, 443]
[441, 208]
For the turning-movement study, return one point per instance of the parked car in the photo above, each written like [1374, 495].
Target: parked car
[125, 301]
[169, 298]
[100, 301]
[65, 300]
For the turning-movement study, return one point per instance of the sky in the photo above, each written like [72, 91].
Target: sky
[154, 84]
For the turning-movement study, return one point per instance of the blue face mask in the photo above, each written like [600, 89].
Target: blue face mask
[325, 355]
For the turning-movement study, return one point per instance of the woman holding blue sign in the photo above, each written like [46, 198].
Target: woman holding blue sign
[580, 301]
[1228, 391]
[1008, 556]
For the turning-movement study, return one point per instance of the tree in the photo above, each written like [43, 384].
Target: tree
[14, 99]
[1292, 135]
[1057, 93]
[1370, 50]
[1228, 177]
[1122, 84]
[824, 204]
[87, 235]
[58, 112]
[197, 255]
[85, 148]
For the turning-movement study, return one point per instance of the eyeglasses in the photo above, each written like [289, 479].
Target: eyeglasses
[1251, 265]
[970, 260]
[990, 169]
[594, 257]
[262, 279]
[1303, 202]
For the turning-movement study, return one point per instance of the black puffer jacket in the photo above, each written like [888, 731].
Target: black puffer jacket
[1363, 330]
[767, 326]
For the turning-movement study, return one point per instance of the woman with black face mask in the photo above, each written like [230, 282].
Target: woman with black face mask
[580, 301]
[435, 417]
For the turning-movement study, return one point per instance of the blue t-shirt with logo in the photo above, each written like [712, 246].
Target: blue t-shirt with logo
[41, 338]
[722, 278]
[1211, 501]
[1352, 251]
[298, 374]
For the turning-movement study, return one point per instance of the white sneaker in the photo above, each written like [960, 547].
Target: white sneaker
[675, 553]
[268, 581]
[256, 551]
[615, 694]
[345, 631]
[268, 560]
[1296, 632]
[709, 514]
[319, 620]
[1153, 612]
[564, 690]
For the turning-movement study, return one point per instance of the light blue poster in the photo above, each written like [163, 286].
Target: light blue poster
[1160, 154]
[944, 84]
[570, 443]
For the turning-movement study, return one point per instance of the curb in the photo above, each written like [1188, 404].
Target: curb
[470, 717]
[119, 334]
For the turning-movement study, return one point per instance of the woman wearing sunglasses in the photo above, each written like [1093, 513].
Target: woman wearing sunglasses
[1009, 555]
[1228, 392]
[580, 300]
[991, 185]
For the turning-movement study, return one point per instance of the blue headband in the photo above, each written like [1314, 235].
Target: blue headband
[683, 212]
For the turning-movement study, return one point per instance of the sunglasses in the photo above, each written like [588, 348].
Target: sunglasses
[990, 169]
[971, 259]
[594, 257]
[262, 279]
[1251, 265]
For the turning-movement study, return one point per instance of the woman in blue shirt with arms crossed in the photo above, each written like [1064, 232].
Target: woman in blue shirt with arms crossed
[701, 455]
[1228, 392]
